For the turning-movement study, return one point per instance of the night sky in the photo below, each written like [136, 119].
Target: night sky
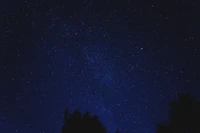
[121, 59]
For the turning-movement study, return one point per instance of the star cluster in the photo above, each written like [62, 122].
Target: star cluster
[123, 60]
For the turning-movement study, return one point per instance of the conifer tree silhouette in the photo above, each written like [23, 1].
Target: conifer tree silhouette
[184, 116]
[75, 123]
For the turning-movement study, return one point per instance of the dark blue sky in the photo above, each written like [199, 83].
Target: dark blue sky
[121, 59]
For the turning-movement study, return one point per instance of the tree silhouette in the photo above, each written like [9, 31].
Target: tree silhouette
[184, 116]
[162, 128]
[75, 123]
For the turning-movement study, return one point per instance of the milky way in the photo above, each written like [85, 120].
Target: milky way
[121, 60]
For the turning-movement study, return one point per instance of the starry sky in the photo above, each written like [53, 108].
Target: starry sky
[121, 59]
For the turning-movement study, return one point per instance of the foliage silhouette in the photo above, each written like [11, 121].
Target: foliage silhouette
[76, 123]
[162, 128]
[184, 116]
